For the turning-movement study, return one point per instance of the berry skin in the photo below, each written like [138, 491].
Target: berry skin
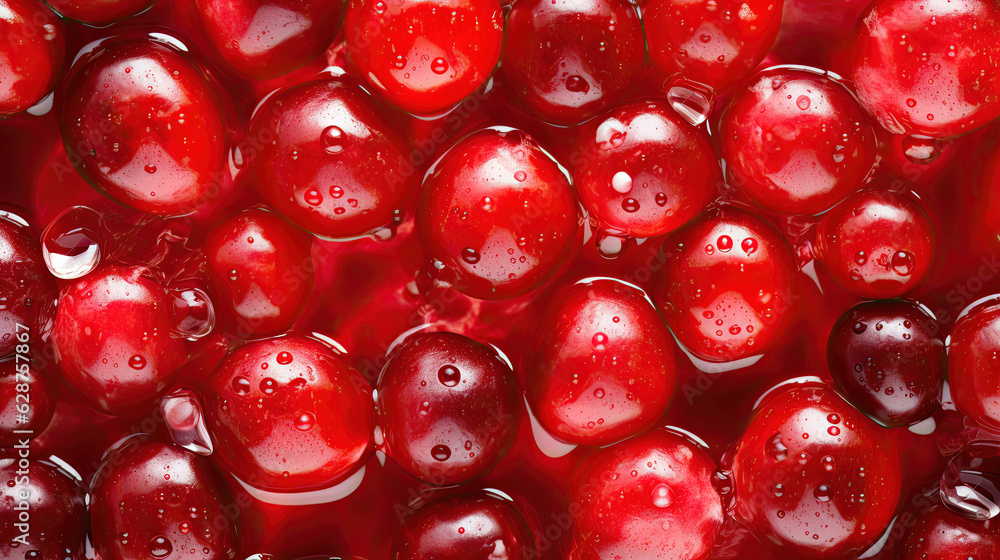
[725, 287]
[594, 341]
[814, 477]
[424, 57]
[156, 500]
[153, 139]
[888, 359]
[650, 194]
[447, 406]
[262, 271]
[498, 215]
[713, 42]
[876, 243]
[56, 524]
[975, 340]
[99, 13]
[113, 339]
[27, 400]
[31, 56]
[797, 141]
[567, 60]
[330, 159]
[650, 497]
[936, 533]
[929, 67]
[28, 289]
[288, 414]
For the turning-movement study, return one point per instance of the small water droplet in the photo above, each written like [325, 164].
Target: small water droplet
[150, 168]
[902, 263]
[160, 547]
[859, 327]
[777, 490]
[284, 358]
[802, 103]
[71, 243]
[621, 182]
[241, 385]
[749, 245]
[725, 243]
[661, 199]
[776, 449]
[332, 140]
[599, 340]
[268, 386]
[630, 205]
[449, 375]
[833, 430]
[313, 197]
[599, 393]
[137, 362]
[439, 66]
[823, 493]
[470, 255]
[577, 84]
[336, 192]
[440, 452]
[520, 176]
[922, 150]
[305, 421]
[662, 496]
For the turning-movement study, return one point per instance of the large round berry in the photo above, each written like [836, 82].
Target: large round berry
[476, 526]
[650, 497]
[929, 66]
[157, 500]
[713, 42]
[266, 39]
[974, 344]
[567, 60]
[797, 141]
[498, 215]
[27, 400]
[99, 12]
[888, 358]
[330, 158]
[601, 364]
[876, 243]
[447, 407]
[32, 53]
[424, 56]
[27, 289]
[114, 339]
[642, 171]
[288, 413]
[45, 510]
[262, 271]
[936, 533]
[142, 124]
[815, 477]
[726, 285]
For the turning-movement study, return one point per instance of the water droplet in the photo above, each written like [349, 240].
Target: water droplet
[520, 176]
[690, 102]
[71, 243]
[439, 66]
[662, 496]
[313, 197]
[861, 258]
[749, 245]
[137, 362]
[336, 192]
[599, 341]
[781, 514]
[710, 249]
[725, 243]
[822, 493]
[970, 485]
[621, 182]
[470, 255]
[160, 547]
[705, 38]
[922, 150]
[599, 393]
[268, 386]
[911, 102]
[902, 263]
[827, 463]
[332, 140]
[775, 448]
[241, 385]
[305, 421]
[777, 490]
[630, 205]
[380, 7]
[661, 199]
[440, 453]
[182, 414]
[577, 84]
[835, 431]
[449, 376]
[802, 102]
[859, 327]
[284, 358]
[734, 330]
[150, 168]
[833, 418]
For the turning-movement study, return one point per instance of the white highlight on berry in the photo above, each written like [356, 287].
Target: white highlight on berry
[547, 443]
[324, 496]
[621, 182]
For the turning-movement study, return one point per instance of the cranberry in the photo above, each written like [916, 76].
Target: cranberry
[288, 413]
[267, 39]
[642, 171]
[142, 124]
[476, 526]
[713, 42]
[32, 55]
[877, 243]
[447, 407]
[726, 285]
[929, 67]
[567, 60]
[797, 141]
[27, 288]
[260, 266]
[975, 340]
[814, 476]
[114, 339]
[498, 215]
[649, 497]
[424, 57]
[330, 158]
[935, 533]
[46, 514]
[27, 400]
[888, 358]
[99, 12]
[155, 500]
[594, 343]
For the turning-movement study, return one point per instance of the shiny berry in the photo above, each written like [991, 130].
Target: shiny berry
[27, 289]
[975, 341]
[27, 400]
[935, 533]
[99, 13]
[32, 54]
[45, 509]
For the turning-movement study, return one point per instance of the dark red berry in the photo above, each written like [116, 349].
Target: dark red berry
[45, 509]
[32, 54]
[27, 399]
[28, 290]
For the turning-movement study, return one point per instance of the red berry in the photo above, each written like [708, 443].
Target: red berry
[288, 414]
[28, 289]
[330, 159]
[725, 286]
[155, 500]
[650, 497]
[876, 243]
[142, 124]
[975, 340]
[99, 13]
[54, 522]
[929, 67]
[935, 533]
[814, 477]
[114, 339]
[601, 365]
[797, 141]
[567, 60]
[23, 387]
[424, 57]
[642, 171]
[498, 215]
[32, 54]
[447, 407]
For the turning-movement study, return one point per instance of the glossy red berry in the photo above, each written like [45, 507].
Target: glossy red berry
[929, 67]
[935, 533]
[649, 497]
[28, 290]
[157, 500]
[726, 285]
[797, 141]
[54, 519]
[567, 60]
[975, 339]
[142, 124]
[497, 216]
[876, 243]
[31, 56]
[27, 399]
[424, 57]
[115, 341]
[888, 359]
[814, 477]
[642, 171]
[329, 158]
[447, 407]
[99, 13]
[288, 414]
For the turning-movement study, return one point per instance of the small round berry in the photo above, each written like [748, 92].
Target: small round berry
[55, 525]
[28, 290]
[975, 341]
[936, 533]
[31, 56]
[27, 400]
